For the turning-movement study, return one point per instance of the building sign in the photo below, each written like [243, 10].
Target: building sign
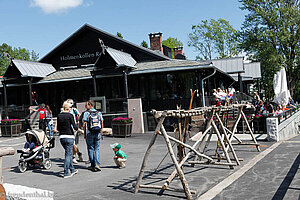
[80, 56]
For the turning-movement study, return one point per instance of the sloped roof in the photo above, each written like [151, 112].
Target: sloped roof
[169, 64]
[230, 65]
[121, 58]
[122, 41]
[30, 69]
[70, 74]
[174, 65]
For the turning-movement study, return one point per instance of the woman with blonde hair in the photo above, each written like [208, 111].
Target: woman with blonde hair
[65, 125]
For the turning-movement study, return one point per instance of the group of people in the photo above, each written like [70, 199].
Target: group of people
[269, 107]
[70, 124]
[223, 96]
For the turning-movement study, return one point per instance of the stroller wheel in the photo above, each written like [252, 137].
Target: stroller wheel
[47, 163]
[22, 166]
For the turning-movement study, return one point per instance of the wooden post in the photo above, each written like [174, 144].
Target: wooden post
[179, 171]
[172, 176]
[251, 133]
[179, 147]
[228, 142]
[30, 91]
[139, 179]
[222, 144]
[236, 123]
[125, 72]
[187, 119]
[207, 128]
[189, 147]
[95, 85]
[5, 98]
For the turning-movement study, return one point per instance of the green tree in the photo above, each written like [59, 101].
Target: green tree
[214, 37]
[7, 53]
[271, 35]
[172, 43]
[144, 44]
[119, 35]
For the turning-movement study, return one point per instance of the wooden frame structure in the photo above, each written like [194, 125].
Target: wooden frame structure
[215, 123]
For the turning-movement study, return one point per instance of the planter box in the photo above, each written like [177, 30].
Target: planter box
[10, 130]
[121, 129]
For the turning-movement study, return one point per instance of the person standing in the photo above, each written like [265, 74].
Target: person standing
[49, 120]
[34, 97]
[92, 126]
[74, 111]
[65, 125]
[256, 100]
[42, 111]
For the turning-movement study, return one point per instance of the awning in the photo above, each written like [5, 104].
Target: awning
[24, 68]
[121, 58]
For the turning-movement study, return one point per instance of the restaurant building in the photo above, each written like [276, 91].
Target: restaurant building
[94, 63]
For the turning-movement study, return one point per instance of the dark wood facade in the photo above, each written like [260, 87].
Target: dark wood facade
[161, 89]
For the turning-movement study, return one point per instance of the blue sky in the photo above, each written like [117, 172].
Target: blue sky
[41, 25]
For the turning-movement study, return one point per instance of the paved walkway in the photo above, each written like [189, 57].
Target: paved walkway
[260, 175]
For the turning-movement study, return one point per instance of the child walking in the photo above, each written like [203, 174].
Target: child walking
[120, 157]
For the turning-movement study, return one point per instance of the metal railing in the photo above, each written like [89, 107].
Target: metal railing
[284, 115]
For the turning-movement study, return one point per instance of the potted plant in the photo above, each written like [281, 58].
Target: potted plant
[10, 127]
[121, 127]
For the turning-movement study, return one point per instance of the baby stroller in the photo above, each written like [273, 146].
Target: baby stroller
[40, 154]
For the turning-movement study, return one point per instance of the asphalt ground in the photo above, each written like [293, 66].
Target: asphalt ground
[272, 177]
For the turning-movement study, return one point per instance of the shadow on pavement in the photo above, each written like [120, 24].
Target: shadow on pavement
[150, 177]
[285, 184]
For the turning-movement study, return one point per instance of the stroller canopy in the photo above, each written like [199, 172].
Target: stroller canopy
[39, 135]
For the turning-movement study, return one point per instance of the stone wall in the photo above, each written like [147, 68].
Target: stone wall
[285, 130]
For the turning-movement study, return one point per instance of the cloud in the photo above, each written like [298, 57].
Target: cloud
[56, 6]
[88, 4]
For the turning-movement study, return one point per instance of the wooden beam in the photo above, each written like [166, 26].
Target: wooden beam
[189, 147]
[228, 142]
[212, 163]
[251, 133]
[222, 143]
[170, 189]
[179, 171]
[139, 179]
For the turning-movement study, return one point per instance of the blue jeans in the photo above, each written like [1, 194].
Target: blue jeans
[50, 127]
[67, 144]
[29, 145]
[93, 146]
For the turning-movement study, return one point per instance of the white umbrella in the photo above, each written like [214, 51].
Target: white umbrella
[281, 91]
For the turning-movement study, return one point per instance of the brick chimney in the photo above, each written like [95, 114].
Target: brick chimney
[156, 41]
[178, 50]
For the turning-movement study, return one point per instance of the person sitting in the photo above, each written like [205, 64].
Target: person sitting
[278, 110]
[30, 144]
[259, 109]
[120, 157]
[291, 103]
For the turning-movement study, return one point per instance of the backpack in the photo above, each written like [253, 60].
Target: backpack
[94, 122]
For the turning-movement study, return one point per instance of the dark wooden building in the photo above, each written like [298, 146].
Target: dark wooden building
[93, 63]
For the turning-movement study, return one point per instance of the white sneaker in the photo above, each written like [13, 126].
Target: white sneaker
[75, 161]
